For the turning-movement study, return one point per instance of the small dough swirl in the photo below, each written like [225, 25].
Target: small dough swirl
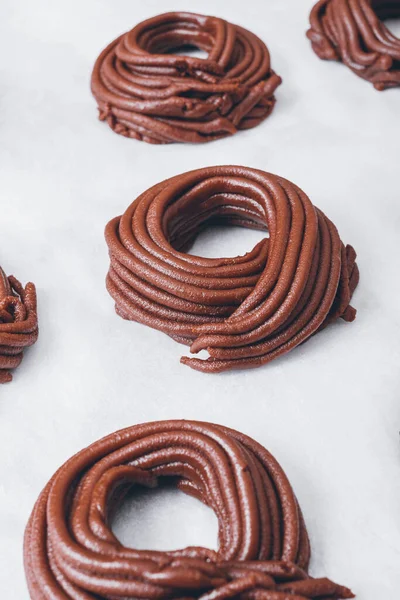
[352, 31]
[18, 323]
[70, 551]
[145, 92]
[245, 311]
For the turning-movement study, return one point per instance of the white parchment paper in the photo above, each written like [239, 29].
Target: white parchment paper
[329, 411]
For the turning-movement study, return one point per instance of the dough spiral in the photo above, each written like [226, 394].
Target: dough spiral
[244, 311]
[18, 323]
[352, 31]
[71, 553]
[145, 92]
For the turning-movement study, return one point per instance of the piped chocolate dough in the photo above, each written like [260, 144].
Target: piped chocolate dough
[353, 31]
[18, 323]
[247, 310]
[145, 91]
[264, 550]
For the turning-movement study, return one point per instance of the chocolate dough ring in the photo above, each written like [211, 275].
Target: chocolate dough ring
[352, 31]
[71, 552]
[244, 311]
[145, 92]
[18, 323]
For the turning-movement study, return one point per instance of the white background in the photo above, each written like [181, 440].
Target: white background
[329, 411]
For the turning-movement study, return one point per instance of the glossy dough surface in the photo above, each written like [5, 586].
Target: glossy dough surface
[264, 551]
[353, 32]
[18, 323]
[247, 310]
[145, 91]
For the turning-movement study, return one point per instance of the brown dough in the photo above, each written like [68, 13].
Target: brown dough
[245, 311]
[18, 323]
[352, 31]
[264, 551]
[146, 92]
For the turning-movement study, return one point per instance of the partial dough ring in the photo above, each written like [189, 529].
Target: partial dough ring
[352, 31]
[247, 310]
[71, 552]
[145, 92]
[18, 323]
